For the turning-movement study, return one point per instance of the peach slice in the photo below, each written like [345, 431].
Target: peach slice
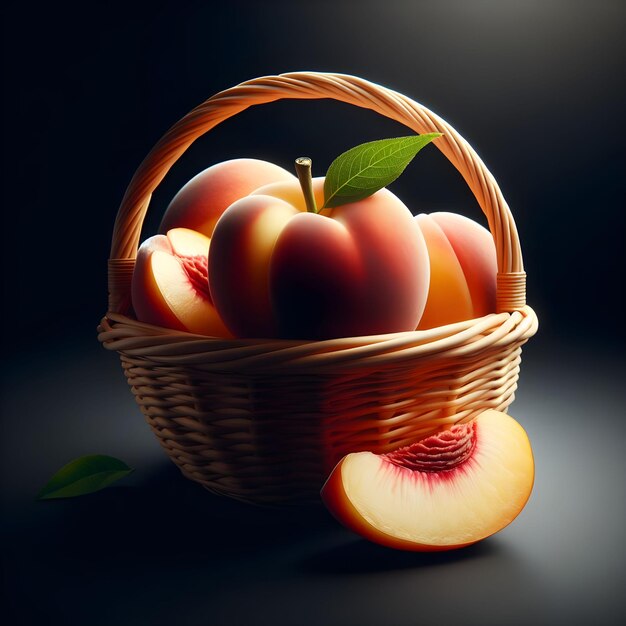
[446, 491]
[170, 287]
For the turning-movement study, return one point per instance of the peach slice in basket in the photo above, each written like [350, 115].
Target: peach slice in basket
[446, 491]
[170, 286]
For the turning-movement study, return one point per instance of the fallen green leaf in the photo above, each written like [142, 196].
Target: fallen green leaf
[84, 475]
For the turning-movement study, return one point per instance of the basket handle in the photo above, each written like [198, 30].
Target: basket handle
[511, 281]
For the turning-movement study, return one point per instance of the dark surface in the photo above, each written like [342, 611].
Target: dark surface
[158, 549]
[536, 87]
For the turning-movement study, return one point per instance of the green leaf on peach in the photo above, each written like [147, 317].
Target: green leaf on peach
[367, 168]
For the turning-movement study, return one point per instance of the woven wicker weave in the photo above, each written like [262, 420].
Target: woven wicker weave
[266, 420]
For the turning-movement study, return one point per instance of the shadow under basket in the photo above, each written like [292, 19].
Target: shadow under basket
[265, 421]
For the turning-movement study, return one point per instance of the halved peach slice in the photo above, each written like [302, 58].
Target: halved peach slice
[446, 491]
[170, 286]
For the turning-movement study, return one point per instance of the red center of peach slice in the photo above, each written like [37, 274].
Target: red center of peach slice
[196, 268]
[440, 452]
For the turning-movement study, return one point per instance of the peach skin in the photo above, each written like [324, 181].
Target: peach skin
[199, 203]
[474, 248]
[357, 269]
[463, 269]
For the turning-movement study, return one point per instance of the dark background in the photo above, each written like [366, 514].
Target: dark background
[536, 87]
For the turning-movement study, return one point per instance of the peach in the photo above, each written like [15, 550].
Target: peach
[463, 269]
[446, 491]
[200, 202]
[170, 285]
[357, 269]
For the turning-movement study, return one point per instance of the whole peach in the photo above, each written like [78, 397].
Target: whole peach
[463, 269]
[357, 269]
[200, 202]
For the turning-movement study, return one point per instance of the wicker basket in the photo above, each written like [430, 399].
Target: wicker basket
[265, 420]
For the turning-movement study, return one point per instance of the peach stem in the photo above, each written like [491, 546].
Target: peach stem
[303, 169]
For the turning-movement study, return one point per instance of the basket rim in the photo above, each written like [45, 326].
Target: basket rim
[128, 336]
